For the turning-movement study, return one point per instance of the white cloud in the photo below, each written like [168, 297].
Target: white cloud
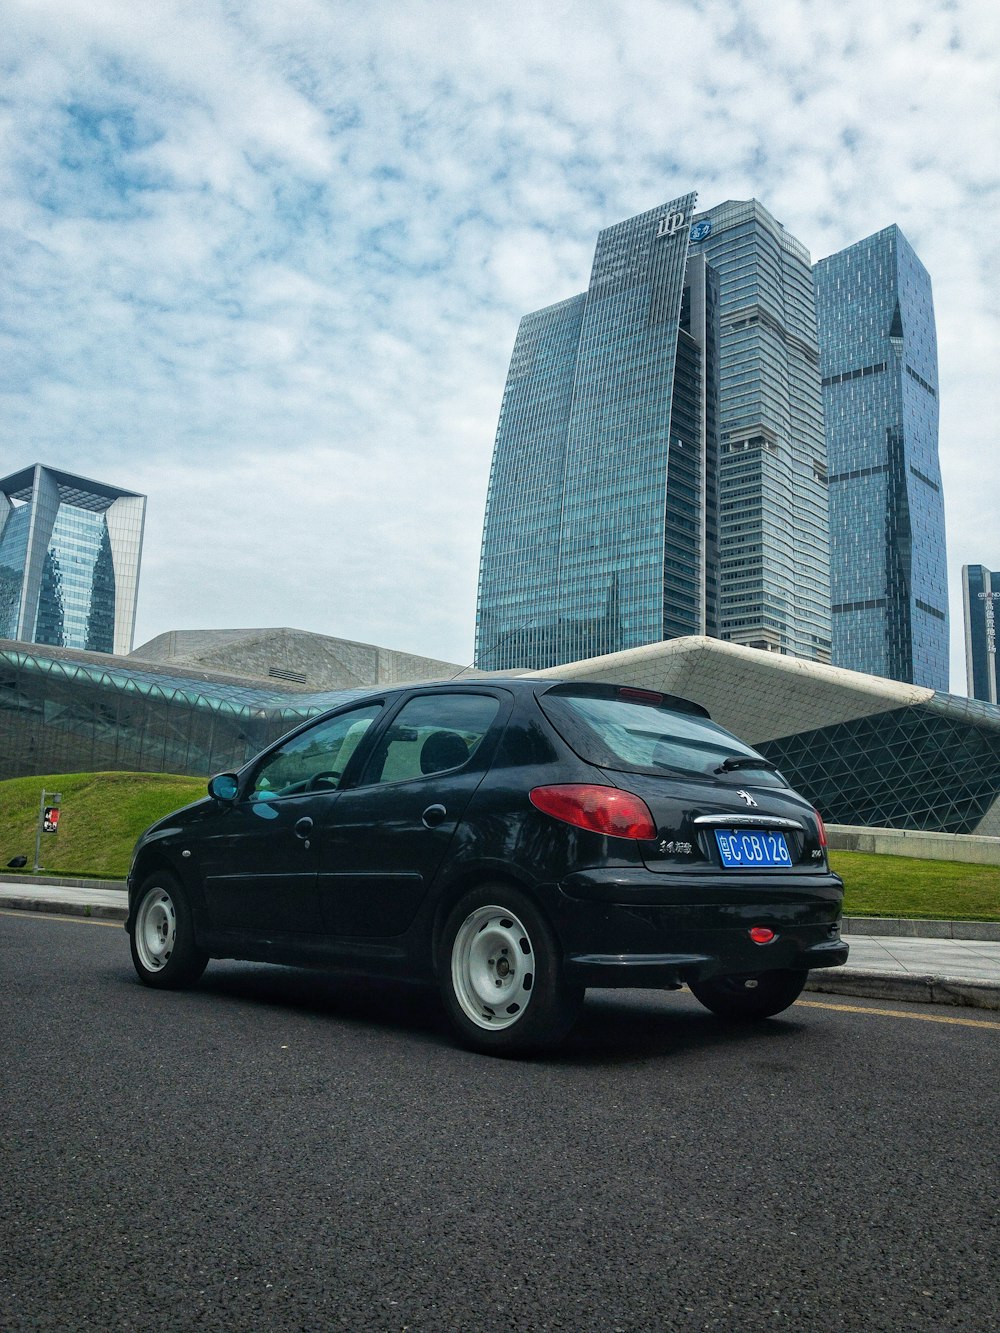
[266, 262]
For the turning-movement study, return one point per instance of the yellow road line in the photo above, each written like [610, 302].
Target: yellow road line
[898, 1013]
[54, 916]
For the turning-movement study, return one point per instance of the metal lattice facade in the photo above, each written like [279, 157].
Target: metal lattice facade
[924, 767]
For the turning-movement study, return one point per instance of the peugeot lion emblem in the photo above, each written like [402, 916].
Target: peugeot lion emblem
[746, 796]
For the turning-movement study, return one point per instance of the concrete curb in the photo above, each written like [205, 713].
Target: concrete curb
[54, 882]
[913, 988]
[26, 903]
[914, 928]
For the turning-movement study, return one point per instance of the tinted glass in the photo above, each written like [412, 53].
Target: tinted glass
[432, 734]
[314, 759]
[626, 734]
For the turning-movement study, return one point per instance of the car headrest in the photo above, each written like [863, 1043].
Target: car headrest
[441, 750]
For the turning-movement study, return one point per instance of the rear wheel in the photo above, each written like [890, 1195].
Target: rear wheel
[745, 997]
[164, 952]
[501, 974]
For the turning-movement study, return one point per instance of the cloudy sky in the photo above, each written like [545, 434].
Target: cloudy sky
[265, 261]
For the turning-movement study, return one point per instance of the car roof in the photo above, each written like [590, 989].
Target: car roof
[549, 684]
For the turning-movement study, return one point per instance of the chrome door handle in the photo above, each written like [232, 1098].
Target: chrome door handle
[433, 815]
[304, 827]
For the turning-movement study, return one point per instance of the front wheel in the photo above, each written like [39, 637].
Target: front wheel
[746, 997]
[164, 952]
[501, 974]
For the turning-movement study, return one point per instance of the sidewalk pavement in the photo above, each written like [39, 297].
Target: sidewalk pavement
[953, 962]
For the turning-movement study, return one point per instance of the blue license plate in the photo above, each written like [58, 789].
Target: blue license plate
[743, 849]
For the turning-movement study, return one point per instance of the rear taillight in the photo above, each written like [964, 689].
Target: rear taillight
[617, 814]
[822, 828]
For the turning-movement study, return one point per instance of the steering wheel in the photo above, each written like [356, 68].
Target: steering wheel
[326, 780]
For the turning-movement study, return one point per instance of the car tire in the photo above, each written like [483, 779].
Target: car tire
[161, 933]
[501, 974]
[747, 997]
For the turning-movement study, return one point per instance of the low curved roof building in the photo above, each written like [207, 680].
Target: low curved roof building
[867, 751]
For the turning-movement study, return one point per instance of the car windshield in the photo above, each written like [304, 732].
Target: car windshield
[623, 733]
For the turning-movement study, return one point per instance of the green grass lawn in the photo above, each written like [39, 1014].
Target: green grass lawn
[102, 814]
[904, 886]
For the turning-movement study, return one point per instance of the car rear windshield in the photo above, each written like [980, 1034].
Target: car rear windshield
[651, 737]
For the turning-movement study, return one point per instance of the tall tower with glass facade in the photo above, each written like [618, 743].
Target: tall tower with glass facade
[774, 568]
[600, 530]
[69, 560]
[878, 355]
[980, 593]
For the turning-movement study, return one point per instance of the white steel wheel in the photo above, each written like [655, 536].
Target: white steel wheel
[165, 953]
[492, 968]
[156, 929]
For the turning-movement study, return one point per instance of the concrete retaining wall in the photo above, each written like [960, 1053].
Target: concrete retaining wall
[913, 842]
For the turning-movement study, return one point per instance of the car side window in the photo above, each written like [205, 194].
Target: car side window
[433, 733]
[315, 759]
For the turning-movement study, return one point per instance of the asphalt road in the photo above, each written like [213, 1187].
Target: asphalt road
[279, 1150]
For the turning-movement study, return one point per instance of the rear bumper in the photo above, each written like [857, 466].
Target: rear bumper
[614, 933]
[666, 970]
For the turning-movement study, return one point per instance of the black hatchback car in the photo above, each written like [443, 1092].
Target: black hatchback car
[514, 840]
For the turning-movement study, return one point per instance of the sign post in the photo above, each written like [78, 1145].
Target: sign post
[48, 821]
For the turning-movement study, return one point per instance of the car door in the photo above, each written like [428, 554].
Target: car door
[389, 833]
[259, 861]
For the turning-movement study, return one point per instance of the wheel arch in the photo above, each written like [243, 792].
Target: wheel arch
[156, 857]
[469, 879]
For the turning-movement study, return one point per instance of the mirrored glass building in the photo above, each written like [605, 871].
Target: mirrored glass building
[979, 596]
[69, 560]
[773, 529]
[878, 355]
[600, 530]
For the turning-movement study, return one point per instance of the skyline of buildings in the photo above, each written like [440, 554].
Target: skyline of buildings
[600, 527]
[70, 550]
[738, 548]
[878, 350]
[980, 591]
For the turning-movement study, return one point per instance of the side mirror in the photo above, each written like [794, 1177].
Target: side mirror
[224, 787]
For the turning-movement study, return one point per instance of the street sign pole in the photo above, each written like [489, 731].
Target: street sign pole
[38, 832]
[46, 825]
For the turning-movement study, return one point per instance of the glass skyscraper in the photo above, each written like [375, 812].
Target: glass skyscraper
[773, 533]
[600, 529]
[878, 355]
[69, 560]
[979, 596]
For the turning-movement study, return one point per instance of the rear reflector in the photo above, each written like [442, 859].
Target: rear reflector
[617, 814]
[761, 935]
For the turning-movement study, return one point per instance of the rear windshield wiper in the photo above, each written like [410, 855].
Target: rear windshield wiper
[737, 761]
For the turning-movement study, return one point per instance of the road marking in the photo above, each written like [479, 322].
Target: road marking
[54, 916]
[898, 1013]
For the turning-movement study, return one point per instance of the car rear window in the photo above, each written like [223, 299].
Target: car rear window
[633, 735]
